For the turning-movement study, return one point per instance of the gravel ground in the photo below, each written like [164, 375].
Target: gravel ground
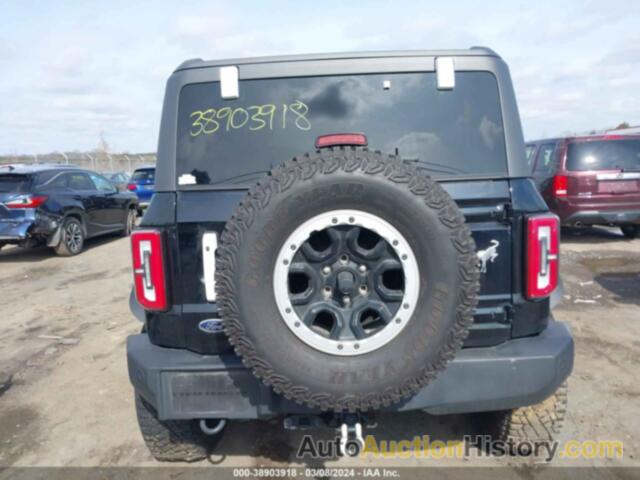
[65, 399]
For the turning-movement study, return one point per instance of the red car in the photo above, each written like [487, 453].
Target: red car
[590, 180]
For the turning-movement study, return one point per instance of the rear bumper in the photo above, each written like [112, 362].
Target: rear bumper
[35, 225]
[600, 217]
[14, 232]
[185, 385]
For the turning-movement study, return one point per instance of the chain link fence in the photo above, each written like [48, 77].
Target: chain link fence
[97, 161]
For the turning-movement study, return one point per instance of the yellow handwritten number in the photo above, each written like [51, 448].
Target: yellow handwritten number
[206, 122]
[301, 110]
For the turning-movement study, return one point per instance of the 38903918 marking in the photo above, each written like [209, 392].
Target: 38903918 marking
[254, 117]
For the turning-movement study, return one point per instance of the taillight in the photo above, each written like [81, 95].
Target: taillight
[148, 269]
[26, 201]
[131, 187]
[543, 247]
[560, 186]
[338, 139]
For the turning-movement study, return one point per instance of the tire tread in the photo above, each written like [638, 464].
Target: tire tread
[172, 440]
[326, 162]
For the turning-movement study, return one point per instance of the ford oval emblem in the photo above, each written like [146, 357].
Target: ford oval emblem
[211, 325]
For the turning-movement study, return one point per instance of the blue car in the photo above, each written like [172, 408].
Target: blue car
[61, 207]
[142, 183]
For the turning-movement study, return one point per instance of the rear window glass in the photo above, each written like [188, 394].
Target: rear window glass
[146, 175]
[604, 155]
[14, 183]
[449, 133]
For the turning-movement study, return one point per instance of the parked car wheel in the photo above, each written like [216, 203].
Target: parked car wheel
[630, 231]
[72, 238]
[173, 440]
[130, 224]
[541, 422]
[372, 279]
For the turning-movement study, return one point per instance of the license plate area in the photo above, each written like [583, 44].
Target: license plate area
[618, 186]
[210, 394]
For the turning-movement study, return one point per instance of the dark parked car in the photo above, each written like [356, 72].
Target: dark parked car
[60, 207]
[338, 235]
[590, 180]
[142, 183]
[119, 179]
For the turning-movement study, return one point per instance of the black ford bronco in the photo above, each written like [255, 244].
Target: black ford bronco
[338, 235]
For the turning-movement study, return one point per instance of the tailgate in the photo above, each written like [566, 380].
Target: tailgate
[11, 215]
[604, 169]
[618, 183]
[482, 202]
[14, 223]
[11, 186]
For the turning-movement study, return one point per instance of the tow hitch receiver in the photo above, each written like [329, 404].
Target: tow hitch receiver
[349, 441]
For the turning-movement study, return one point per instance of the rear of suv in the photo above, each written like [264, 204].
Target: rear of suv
[337, 235]
[590, 180]
[142, 183]
[60, 207]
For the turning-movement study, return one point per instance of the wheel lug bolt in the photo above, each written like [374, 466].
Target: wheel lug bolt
[326, 270]
[327, 291]
[344, 259]
[363, 289]
[362, 268]
[346, 300]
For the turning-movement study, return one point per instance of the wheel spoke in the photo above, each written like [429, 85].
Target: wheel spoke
[343, 328]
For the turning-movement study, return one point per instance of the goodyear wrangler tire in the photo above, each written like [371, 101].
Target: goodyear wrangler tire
[390, 288]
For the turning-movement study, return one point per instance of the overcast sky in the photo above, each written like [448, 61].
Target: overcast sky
[71, 69]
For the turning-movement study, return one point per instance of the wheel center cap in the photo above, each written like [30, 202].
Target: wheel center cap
[346, 282]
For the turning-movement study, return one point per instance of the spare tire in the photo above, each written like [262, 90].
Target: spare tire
[346, 279]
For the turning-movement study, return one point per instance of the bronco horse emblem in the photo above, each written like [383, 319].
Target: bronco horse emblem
[488, 255]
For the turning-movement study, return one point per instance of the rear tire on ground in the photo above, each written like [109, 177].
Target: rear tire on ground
[130, 222]
[71, 239]
[536, 423]
[173, 440]
[630, 231]
[357, 186]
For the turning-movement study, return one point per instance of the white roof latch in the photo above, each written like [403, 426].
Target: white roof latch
[445, 73]
[229, 87]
